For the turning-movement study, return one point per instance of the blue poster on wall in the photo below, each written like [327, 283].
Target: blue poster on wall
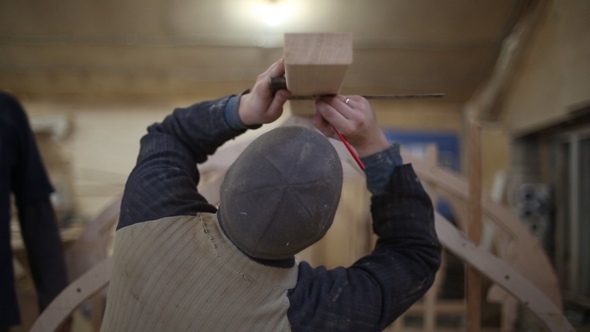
[415, 142]
[448, 152]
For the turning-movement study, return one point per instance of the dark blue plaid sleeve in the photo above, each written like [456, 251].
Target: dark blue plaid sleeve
[164, 180]
[378, 288]
[379, 167]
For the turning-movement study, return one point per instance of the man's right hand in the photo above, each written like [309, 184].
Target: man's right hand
[260, 106]
[353, 117]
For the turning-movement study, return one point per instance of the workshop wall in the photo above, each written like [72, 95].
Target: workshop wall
[101, 146]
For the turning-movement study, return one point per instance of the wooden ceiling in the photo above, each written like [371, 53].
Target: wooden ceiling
[153, 48]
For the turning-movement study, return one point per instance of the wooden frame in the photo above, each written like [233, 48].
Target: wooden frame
[526, 254]
[75, 294]
[89, 266]
[503, 275]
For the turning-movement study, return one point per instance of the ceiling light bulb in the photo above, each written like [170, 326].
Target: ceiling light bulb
[275, 12]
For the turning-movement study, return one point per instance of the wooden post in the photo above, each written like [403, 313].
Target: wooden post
[475, 227]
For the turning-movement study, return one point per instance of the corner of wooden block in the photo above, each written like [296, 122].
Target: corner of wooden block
[318, 48]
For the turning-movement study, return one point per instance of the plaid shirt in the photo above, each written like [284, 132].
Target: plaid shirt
[367, 296]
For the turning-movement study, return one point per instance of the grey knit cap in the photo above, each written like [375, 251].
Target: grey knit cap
[281, 194]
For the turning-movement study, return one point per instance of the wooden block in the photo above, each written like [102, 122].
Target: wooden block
[315, 64]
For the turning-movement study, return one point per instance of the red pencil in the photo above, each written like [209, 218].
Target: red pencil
[350, 149]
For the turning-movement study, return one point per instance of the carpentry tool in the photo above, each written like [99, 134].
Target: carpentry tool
[280, 83]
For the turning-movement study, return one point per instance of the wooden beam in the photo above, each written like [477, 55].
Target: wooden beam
[315, 64]
[502, 274]
[484, 104]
